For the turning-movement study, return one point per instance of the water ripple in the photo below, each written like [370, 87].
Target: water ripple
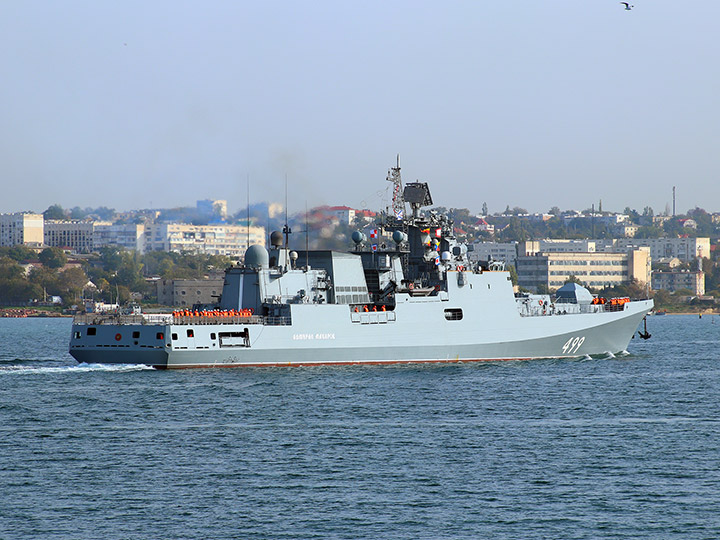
[590, 448]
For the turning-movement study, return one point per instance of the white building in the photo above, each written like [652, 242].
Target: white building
[557, 246]
[344, 214]
[69, 234]
[552, 270]
[484, 226]
[496, 251]
[21, 228]
[685, 249]
[628, 230]
[87, 236]
[674, 281]
[130, 236]
[229, 240]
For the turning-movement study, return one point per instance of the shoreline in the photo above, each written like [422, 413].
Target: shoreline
[25, 313]
[686, 313]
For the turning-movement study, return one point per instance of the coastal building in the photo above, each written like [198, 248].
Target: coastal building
[130, 236]
[495, 251]
[556, 246]
[74, 235]
[87, 236]
[484, 226]
[685, 249]
[21, 228]
[674, 281]
[343, 214]
[628, 230]
[229, 240]
[610, 220]
[550, 270]
[365, 216]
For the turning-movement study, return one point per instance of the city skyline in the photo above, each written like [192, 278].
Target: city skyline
[142, 105]
[277, 207]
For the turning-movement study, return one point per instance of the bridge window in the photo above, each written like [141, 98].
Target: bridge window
[91, 331]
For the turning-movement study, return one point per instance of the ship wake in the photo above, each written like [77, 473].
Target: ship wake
[80, 368]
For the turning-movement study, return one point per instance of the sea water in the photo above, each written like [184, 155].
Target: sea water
[609, 447]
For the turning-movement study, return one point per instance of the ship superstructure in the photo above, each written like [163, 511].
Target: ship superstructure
[418, 299]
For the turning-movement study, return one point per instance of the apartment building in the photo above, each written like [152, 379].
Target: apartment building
[69, 234]
[552, 270]
[229, 240]
[21, 228]
[87, 236]
[674, 281]
[130, 236]
[685, 249]
[496, 251]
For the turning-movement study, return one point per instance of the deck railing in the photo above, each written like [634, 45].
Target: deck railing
[95, 319]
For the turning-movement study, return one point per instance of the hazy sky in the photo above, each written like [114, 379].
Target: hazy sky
[530, 103]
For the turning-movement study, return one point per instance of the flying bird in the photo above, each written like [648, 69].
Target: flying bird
[628, 7]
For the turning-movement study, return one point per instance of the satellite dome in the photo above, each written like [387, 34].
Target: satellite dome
[257, 257]
[399, 237]
[276, 239]
[358, 237]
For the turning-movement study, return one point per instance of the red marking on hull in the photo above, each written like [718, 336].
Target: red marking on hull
[363, 363]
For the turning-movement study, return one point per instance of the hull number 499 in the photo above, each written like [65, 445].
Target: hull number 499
[573, 344]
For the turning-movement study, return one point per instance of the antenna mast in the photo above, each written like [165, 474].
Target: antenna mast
[398, 203]
[286, 228]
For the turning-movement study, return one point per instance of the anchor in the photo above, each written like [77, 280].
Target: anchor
[645, 334]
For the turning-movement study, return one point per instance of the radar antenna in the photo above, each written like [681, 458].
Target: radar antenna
[398, 202]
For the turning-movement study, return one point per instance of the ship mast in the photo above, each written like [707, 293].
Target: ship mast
[286, 229]
[398, 202]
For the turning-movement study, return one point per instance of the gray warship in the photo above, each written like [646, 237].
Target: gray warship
[417, 298]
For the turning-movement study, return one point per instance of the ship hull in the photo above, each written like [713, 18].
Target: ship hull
[339, 339]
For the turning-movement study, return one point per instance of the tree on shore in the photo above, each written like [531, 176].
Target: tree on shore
[53, 257]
